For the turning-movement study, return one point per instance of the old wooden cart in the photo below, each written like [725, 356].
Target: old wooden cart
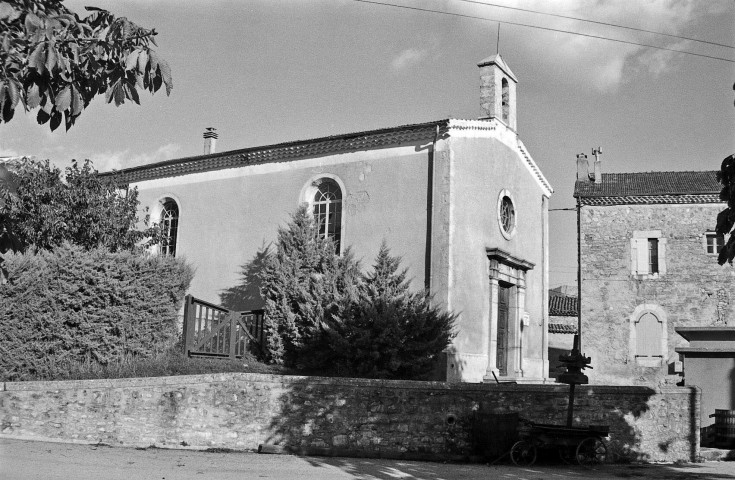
[583, 445]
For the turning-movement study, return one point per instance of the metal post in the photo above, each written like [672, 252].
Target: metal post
[579, 273]
[189, 324]
[570, 408]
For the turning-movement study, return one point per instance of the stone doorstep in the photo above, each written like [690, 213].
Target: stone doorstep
[716, 454]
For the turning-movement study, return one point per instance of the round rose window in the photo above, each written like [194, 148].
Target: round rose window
[507, 215]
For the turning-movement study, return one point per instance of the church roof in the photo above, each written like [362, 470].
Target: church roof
[650, 188]
[289, 151]
[281, 152]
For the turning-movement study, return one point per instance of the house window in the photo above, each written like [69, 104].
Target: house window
[327, 208]
[653, 255]
[647, 254]
[714, 243]
[169, 227]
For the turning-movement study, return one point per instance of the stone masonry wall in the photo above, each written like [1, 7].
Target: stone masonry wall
[694, 291]
[313, 415]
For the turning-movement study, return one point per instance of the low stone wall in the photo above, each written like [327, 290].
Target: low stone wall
[352, 417]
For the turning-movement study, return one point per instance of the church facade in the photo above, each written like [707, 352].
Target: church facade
[461, 201]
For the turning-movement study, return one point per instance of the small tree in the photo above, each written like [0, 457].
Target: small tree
[47, 209]
[307, 289]
[53, 59]
[726, 218]
[8, 240]
[394, 332]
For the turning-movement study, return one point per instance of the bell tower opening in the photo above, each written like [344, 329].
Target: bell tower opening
[497, 91]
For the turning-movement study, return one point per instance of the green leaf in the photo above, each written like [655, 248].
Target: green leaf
[37, 59]
[55, 120]
[51, 57]
[132, 93]
[131, 61]
[63, 99]
[166, 75]
[153, 60]
[7, 12]
[119, 93]
[77, 102]
[13, 93]
[142, 61]
[110, 92]
[32, 22]
[47, 104]
[7, 111]
[42, 117]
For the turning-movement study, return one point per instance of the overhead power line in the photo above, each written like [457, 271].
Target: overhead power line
[538, 27]
[527, 10]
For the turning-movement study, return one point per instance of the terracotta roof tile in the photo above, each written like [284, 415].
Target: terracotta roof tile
[563, 306]
[650, 187]
[651, 199]
[562, 328]
[281, 152]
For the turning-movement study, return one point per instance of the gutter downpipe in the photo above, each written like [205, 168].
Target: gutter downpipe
[544, 286]
[429, 272]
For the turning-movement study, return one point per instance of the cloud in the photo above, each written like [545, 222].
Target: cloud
[6, 151]
[106, 161]
[602, 64]
[657, 62]
[408, 58]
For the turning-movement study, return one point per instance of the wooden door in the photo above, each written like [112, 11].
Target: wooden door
[501, 360]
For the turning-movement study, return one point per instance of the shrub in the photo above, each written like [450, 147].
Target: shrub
[306, 288]
[322, 316]
[74, 305]
[392, 331]
[80, 207]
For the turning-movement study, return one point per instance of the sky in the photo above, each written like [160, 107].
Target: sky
[269, 71]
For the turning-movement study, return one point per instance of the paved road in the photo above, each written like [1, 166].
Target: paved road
[25, 460]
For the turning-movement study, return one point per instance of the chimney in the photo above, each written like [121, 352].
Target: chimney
[598, 164]
[210, 140]
[583, 168]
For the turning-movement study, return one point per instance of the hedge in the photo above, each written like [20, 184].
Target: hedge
[73, 305]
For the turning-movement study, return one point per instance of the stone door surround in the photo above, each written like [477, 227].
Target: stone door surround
[510, 271]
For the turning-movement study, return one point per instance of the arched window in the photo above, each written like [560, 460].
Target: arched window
[169, 227]
[649, 330]
[505, 99]
[648, 344]
[328, 210]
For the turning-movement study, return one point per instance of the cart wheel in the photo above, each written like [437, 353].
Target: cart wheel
[566, 454]
[591, 451]
[523, 453]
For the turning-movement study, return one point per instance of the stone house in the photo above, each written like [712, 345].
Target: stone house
[461, 201]
[563, 309]
[649, 265]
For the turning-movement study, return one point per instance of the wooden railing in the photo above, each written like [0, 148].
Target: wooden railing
[214, 331]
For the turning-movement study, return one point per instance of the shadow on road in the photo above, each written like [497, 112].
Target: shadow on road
[371, 469]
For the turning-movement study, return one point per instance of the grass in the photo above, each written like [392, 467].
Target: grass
[169, 363]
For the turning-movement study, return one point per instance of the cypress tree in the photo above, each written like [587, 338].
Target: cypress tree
[396, 333]
[306, 288]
